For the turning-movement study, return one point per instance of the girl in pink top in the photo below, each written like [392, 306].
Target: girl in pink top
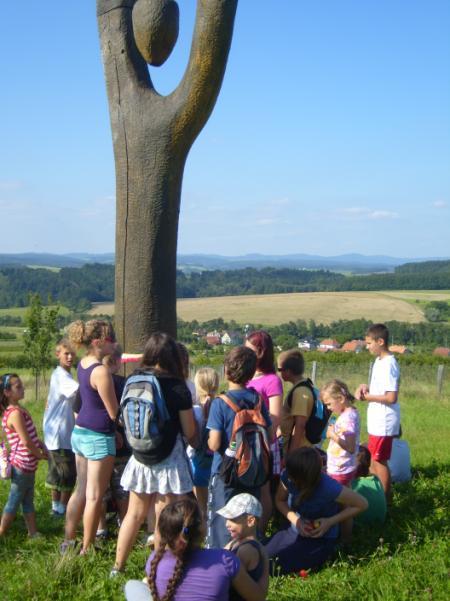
[269, 386]
[343, 434]
[25, 451]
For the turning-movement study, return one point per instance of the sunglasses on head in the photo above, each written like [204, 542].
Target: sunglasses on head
[6, 380]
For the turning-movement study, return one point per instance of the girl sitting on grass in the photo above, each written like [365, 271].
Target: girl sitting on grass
[314, 504]
[180, 570]
[25, 451]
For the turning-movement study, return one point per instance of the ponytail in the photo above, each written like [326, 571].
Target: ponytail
[180, 529]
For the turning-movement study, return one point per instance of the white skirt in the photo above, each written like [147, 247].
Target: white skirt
[170, 476]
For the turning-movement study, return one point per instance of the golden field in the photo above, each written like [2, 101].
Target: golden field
[323, 307]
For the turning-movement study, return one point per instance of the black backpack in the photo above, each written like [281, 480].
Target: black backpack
[320, 414]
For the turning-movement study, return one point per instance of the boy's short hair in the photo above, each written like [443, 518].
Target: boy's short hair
[379, 330]
[292, 360]
[363, 458]
[240, 365]
[64, 343]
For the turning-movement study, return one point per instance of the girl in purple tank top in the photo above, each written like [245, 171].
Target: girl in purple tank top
[93, 438]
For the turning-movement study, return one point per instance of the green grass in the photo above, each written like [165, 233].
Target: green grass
[406, 559]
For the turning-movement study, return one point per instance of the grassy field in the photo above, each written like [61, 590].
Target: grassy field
[405, 560]
[323, 307]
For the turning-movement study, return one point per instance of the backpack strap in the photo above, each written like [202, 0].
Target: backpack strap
[232, 405]
[307, 384]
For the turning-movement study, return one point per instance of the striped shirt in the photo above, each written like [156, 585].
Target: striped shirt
[19, 455]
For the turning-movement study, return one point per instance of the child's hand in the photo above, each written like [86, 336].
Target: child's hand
[321, 528]
[330, 431]
[303, 527]
[361, 392]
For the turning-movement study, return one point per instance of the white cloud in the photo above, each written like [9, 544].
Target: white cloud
[440, 204]
[366, 213]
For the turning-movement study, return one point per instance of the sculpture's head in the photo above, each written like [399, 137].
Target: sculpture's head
[155, 27]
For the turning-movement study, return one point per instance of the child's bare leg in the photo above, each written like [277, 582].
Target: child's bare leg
[56, 495]
[65, 497]
[266, 502]
[98, 477]
[30, 521]
[7, 520]
[201, 494]
[137, 511]
[102, 525]
[346, 530]
[151, 519]
[77, 501]
[122, 507]
[381, 469]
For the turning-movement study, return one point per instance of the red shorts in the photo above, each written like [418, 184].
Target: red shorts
[343, 479]
[380, 447]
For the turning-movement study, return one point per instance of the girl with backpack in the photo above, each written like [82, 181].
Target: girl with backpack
[315, 505]
[93, 437]
[25, 451]
[180, 570]
[162, 473]
[270, 387]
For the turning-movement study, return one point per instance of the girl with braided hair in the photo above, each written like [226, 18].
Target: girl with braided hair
[180, 570]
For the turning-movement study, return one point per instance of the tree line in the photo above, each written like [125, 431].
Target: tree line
[78, 287]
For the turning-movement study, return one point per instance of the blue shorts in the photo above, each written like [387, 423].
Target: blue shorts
[22, 491]
[200, 476]
[92, 445]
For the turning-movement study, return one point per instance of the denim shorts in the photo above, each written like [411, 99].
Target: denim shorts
[22, 491]
[92, 445]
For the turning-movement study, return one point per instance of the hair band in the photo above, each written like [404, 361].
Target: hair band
[185, 530]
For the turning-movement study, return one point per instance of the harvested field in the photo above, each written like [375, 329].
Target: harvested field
[323, 307]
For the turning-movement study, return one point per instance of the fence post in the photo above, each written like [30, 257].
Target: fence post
[314, 371]
[440, 379]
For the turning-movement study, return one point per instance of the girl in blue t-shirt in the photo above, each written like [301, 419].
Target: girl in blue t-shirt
[314, 504]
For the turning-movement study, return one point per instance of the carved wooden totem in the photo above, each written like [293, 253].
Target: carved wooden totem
[152, 135]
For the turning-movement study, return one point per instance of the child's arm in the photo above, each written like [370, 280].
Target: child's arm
[101, 380]
[214, 440]
[249, 557]
[281, 502]
[354, 504]
[189, 427]
[247, 587]
[388, 398]
[298, 438]
[17, 423]
[348, 443]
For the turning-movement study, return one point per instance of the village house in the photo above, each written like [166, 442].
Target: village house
[307, 344]
[233, 338]
[442, 351]
[400, 349]
[213, 338]
[353, 346]
[329, 344]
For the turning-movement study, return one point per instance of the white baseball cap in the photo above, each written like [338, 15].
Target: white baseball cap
[240, 504]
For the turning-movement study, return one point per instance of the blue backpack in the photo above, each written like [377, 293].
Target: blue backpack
[144, 412]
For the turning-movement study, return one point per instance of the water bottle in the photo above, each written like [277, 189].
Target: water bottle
[231, 450]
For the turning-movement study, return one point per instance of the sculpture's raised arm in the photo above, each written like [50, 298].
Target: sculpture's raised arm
[198, 90]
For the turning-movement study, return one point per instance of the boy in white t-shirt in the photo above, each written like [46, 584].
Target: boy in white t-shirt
[58, 425]
[383, 411]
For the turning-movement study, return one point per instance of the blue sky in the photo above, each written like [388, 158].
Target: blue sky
[331, 133]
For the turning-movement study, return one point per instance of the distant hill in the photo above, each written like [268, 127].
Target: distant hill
[352, 263]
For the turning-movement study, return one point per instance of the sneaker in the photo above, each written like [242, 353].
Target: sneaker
[66, 545]
[114, 572]
[101, 534]
[150, 540]
[36, 535]
[56, 514]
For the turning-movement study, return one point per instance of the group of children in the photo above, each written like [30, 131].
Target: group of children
[317, 494]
